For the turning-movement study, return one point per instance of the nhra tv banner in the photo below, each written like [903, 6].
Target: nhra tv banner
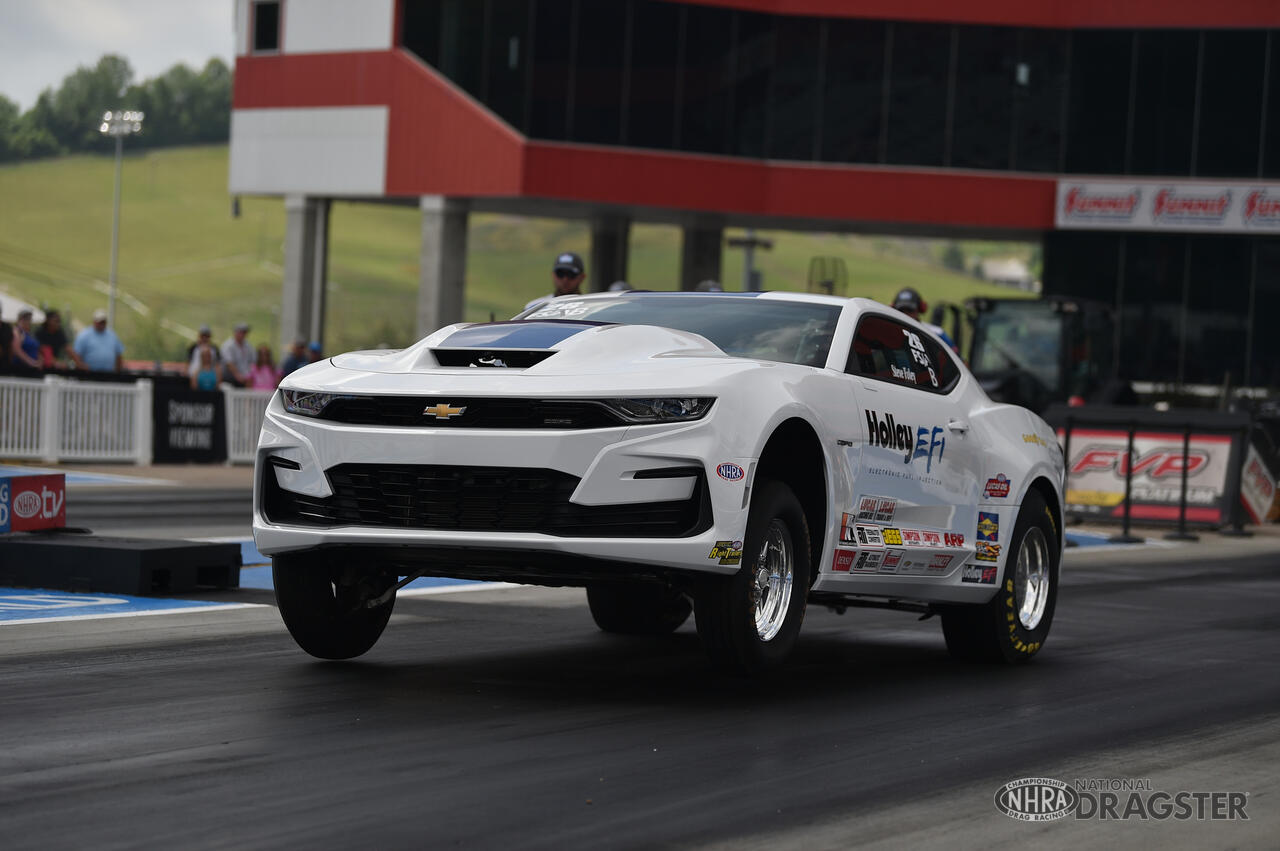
[1157, 205]
[28, 503]
[1097, 467]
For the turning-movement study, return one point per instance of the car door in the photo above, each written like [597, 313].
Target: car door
[917, 475]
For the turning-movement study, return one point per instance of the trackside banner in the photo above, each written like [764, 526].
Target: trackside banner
[1160, 205]
[28, 503]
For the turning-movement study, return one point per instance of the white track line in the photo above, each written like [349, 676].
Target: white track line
[104, 615]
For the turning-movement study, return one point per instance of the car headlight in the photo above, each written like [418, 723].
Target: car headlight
[308, 403]
[679, 409]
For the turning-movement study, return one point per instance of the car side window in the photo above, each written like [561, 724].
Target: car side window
[888, 350]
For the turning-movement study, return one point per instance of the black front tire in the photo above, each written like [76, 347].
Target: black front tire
[726, 605]
[323, 601]
[637, 608]
[994, 631]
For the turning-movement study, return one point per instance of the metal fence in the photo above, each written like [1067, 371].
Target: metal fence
[56, 419]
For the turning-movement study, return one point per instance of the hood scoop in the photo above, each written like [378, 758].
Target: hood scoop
[490, 358]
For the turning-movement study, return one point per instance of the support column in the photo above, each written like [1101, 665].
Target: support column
[306, 267]
[443, 267]
[700, 255]
[610, 240]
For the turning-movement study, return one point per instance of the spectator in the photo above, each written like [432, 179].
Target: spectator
[264, 375]
[54, 345]
[314, 351]
[205, 338]
[567, 276]
[6, 340]
[98, 347]
[908, 301]
[24, 348]
[205, 371]
[237, 356]
[297, 357]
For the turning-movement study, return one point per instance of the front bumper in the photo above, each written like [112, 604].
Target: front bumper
[604, 461]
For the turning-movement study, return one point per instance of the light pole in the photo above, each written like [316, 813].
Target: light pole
[118, 124]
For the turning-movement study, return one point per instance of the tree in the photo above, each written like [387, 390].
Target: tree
[10, 115]
[953, 257]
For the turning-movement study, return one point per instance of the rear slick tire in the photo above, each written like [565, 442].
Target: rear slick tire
[324, 604]
[749, 622]
[1012, 627]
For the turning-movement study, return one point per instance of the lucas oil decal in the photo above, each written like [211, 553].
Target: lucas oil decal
[912, 441]
[997, 488]
[876, 509]
[729, 552]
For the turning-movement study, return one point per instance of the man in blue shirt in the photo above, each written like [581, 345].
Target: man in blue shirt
[99, 347]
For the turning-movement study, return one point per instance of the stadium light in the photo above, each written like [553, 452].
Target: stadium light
[119, 124]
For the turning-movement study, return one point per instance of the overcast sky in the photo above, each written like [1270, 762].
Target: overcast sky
[42, 41]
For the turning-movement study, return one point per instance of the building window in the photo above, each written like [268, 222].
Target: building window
[266, 27]
[1231, 103]
[918, 87]
[1164, 99]
[1101, 66]
[853, 91]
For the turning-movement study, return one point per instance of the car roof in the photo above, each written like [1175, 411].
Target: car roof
[812, 298]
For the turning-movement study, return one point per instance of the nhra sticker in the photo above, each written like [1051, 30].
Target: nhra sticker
[987, 551]
[997, 488]
[981, 575]
[729, 552]
[893, 536]
[869, 561]
[988, 526]
[731, 472]
[940, 562]
[869, 536]
[843, 561]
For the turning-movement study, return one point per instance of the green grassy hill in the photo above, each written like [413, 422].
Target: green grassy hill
[184, 260]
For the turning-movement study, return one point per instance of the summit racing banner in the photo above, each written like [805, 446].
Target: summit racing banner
[1098, 464]
[1240, 207]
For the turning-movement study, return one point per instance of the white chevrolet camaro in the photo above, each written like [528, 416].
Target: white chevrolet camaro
[737, 455]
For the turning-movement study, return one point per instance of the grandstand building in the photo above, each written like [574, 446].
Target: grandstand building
[1139, 139]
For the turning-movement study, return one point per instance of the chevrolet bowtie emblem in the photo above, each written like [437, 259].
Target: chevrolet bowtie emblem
[444, 411]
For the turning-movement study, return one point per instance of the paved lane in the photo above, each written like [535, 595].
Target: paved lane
[503, 719]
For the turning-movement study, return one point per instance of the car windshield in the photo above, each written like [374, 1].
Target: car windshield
[748, 327]
[1019, 335]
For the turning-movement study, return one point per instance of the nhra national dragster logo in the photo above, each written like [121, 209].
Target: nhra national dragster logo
[917, 442]
[1040, 799]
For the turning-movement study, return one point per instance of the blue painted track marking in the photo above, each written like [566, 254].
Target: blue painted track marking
[75, 477]
[38, 605]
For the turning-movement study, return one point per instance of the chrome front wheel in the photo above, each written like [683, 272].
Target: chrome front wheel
[774, 576]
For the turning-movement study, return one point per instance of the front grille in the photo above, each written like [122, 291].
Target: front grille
[408, 411]
[478, 499]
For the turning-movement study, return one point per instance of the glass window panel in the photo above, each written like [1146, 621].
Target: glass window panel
[462, 45]
[266, 26]
[918, 94]
[597, 98]
[1164, 102]
[1264, 366]
[853, 91]
[1271, 156]
[552, 61]
[420, 29]
[1151, 313]
[891, 351]
[508, 61]
[986, 64]
[793, 117]
[655, 61]
[1217, 309]
[1039, 88]
[753, 61]
[1099, 101]
[708, 63]
[1230, 104]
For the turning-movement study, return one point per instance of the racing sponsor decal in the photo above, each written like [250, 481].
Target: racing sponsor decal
[1081, 203]
[731, 472]
[843, 561]
[1227, 207]
[28, 503]
[987, 551]
[891, 562]
[977, 573]
[940, 562]
[893, 536]
[869, 536]
[1174, 206]
[931, 539]
[867, 508]
[913, 442]
[728, 552]
[868, 561]
[1257, 486]
[953, 539]
[988, 526]
[912, 538]
[997, 488]
[848, 532]
[1036, 439]
[1261, 210]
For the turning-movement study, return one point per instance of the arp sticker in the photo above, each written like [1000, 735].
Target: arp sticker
[848, 531]
[988, 526]
[953, 539]
[731, 472]
[869, 536]
[977, 573]
[868, 561]
[987, 551]
[728, 552]
[893, 536]
[997, 488]
[843, 561]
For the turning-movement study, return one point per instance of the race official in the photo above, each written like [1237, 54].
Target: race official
[567, 276]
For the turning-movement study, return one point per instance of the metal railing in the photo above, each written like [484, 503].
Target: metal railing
[245, 409]
[57, 419]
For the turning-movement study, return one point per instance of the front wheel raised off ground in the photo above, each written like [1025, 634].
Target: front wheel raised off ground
[637, 608]
[325, 602]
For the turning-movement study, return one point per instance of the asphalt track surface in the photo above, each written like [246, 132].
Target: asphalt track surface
[503, 719]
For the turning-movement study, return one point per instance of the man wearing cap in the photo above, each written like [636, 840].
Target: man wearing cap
[567, 276]
[205, 338]
[99, 347]
[908, 301]
[296, 358]
[237, 356]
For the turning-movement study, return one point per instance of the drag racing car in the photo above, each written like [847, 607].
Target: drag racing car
[733, 455]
